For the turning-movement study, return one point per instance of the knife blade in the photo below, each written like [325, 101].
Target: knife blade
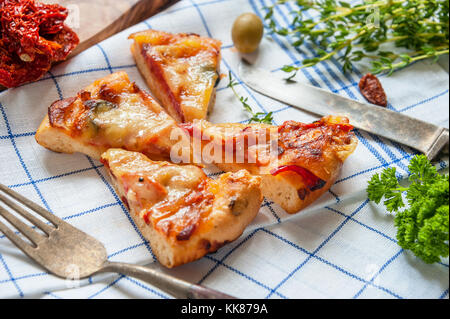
[425, 137]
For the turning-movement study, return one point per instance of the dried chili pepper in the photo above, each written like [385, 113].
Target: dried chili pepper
[33, 36]
[372, 90]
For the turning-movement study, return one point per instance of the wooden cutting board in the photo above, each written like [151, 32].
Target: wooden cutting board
[96, 20]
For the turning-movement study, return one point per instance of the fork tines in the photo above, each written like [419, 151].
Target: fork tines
[7, 196]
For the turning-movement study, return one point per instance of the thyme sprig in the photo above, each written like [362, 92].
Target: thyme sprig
[258, 117]
[418, 28]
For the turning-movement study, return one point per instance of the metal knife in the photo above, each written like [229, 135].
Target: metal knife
[425, 137]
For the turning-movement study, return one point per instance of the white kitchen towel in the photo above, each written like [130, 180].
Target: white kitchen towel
[342, 246]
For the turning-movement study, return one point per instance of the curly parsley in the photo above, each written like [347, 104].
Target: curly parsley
[423, 227]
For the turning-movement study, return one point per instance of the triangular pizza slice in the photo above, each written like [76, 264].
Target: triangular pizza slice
[181, 70]
[183, 213]
[297, 162]
[111, 113]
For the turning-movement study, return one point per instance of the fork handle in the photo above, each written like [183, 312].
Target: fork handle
[178, 288]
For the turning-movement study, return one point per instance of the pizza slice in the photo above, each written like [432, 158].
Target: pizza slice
[181, 70]
[111, 113]
[183, 213]
[297, 162]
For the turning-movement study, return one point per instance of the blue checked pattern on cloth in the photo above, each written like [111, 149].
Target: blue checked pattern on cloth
[342, 246]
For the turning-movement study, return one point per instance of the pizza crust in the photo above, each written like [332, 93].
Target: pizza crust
[134, 121]
[234, 207]
[284, 192]
[159, 87]
[288, 189]
[58, 141]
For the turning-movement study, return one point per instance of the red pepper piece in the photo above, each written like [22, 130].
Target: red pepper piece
[344, 127]
[312, 181]
[189, 127]
[146, 218]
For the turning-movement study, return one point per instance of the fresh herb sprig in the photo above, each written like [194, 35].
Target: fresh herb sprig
[423, 227]
[355, 32]
[256, 117]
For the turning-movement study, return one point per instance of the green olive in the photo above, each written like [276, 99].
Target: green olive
[248, 30]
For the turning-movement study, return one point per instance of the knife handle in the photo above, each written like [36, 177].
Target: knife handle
[440, 145]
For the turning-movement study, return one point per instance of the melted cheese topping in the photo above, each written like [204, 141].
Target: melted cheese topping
[131, 125]
[173, 199]
[189, 65]
[115, 113]
[320, 147]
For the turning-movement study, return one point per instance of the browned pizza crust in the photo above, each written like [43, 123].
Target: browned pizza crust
[181, 70]
[112, 112]
[178, 209]
[308, 157]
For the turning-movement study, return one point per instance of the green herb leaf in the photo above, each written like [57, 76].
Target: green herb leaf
[256, 117]
[422, 227]
[418, 28]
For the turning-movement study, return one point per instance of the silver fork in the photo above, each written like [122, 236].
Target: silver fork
[63, 248]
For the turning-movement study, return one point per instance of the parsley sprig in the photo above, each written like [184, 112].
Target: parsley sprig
[256, 117]
[419, 28]
[422, 227]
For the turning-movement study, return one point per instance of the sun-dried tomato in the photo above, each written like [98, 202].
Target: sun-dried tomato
[372, 90]
[33, 36]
